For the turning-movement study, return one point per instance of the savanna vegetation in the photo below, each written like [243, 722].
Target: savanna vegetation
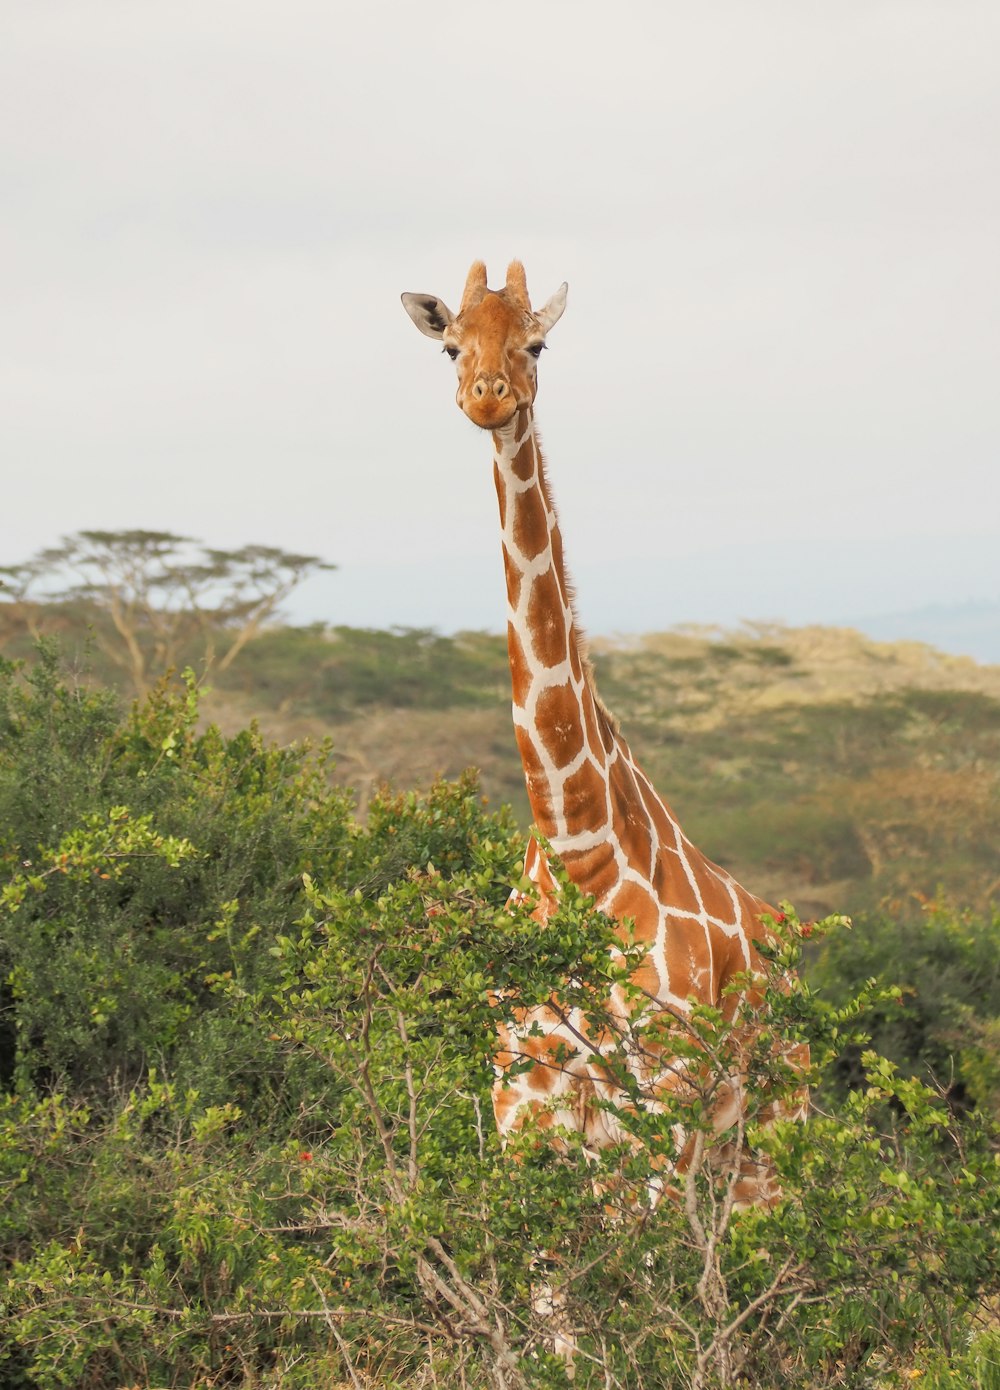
[246, 1138]
[815, 764]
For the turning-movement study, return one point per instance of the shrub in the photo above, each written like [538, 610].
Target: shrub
[268, 1157]
[944, 1024]
[146, 857]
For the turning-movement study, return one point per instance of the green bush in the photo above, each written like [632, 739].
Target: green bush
[339, 671]
[111, 944]
[380, 1235]
[247, 1136]
[944, 1025]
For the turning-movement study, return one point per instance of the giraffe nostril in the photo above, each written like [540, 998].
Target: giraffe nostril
[500, 389]
[479, 389]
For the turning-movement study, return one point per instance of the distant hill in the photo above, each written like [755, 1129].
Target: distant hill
[969, 629]
[817, 764]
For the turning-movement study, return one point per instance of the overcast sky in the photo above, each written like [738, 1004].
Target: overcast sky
[774, 392]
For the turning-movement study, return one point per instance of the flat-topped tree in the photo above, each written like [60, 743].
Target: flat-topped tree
[162, 593]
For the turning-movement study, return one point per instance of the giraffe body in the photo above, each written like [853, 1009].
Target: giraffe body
[591, 801]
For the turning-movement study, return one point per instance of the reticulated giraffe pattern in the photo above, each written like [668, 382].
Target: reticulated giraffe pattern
[591, 801]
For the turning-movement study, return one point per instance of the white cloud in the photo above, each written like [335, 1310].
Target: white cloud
[778, 223]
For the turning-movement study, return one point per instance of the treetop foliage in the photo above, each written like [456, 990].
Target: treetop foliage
[161, 592]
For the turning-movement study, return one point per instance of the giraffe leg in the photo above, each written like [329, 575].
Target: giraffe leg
[548, 1302]
[555, 1095]
[548, 1295]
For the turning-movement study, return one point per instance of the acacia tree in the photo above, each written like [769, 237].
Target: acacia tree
[161, 592]
[19, 611]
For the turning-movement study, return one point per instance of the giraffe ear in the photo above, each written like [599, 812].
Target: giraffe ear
[552, 310]
[432, 316]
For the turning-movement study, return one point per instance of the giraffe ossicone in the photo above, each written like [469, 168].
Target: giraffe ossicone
[591, 801]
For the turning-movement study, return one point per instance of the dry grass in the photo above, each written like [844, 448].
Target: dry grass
[767, 665]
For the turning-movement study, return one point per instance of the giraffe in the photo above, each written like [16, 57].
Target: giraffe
[590, 799]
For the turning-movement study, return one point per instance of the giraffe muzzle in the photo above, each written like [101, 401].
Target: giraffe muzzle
[489, 402]
[496, 386]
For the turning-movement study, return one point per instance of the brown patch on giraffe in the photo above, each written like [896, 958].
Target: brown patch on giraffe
[541, 1077]
[512, 576]
[536, 864]
[671, 884]
[631, 900]
[727, 960]
[751, 908]
[523, 462]
[629, 820]
[594, 741]
[520, 676]
[629, 823]
[557, 717]
[552, 1054]
[534, 773]
[685, 953]
[594, 870]
[531, 525]
[547, 621]
[714, 893]
[659, 813]
[575, 664]
[505, 1102]
[609, 734]
[647, 979]
[737, 953]
[584, 801]
[501, 487]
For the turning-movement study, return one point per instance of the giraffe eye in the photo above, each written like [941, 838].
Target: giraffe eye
[535, 349]
[451, 351]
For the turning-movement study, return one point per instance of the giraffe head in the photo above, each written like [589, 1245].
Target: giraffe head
[494, 340]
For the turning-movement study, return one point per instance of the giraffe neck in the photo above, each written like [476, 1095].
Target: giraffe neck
[617, 839]
[566, 737]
